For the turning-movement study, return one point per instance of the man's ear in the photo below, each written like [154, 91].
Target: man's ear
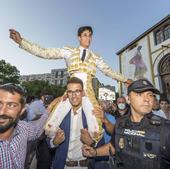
[128, 99]
[78, 38]
[83, 93]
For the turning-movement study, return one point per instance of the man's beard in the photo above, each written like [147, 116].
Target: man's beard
[11, 123]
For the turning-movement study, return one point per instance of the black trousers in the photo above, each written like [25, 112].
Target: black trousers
[44, 154]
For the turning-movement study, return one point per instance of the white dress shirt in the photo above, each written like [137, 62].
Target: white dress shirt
[81, 51]
[75, 145]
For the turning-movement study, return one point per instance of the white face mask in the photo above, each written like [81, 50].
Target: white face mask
[121, 106]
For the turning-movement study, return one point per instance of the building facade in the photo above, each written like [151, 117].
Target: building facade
[56, 77]
[148, 56]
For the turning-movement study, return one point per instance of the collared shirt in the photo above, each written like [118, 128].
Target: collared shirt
[75, 145]
[13, 150]
[81, 51]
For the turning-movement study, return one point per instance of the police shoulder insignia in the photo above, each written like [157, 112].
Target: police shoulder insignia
[121, 143]
[149, 155]
[155, 120]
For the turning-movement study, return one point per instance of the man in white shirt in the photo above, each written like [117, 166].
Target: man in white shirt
[68, 140]
[163, 102]
[156, 109]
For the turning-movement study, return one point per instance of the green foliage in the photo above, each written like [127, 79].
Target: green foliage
[8, 73]
[36, 87]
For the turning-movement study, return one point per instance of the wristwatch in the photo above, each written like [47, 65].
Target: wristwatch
[94, 144]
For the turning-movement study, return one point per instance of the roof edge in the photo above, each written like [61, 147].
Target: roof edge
[143, 34]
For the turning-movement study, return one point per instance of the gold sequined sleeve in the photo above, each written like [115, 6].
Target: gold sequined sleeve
[103, 67]
[46, 53]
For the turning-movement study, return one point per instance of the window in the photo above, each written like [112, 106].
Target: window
[159, 37]
[165, 66]
[162, 34]
[167, 32]
[62, 73]
[56, 74]
[56, 82]
[61, 82]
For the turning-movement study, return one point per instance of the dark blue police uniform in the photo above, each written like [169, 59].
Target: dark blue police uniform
[143, 145]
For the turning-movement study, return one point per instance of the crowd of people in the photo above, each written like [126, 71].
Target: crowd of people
[126, 124]
[77, 130]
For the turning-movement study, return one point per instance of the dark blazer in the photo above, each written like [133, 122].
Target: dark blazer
[61, 151]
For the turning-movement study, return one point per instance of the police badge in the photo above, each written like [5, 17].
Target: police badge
[121, 143]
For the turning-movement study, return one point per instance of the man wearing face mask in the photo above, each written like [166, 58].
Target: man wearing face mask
[122, 107]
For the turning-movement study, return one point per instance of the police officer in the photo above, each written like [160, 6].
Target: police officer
[141, 139]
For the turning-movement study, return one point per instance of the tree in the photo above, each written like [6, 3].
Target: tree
[36, 87]
[8, 73]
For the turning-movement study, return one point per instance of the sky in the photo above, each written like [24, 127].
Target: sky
[54, 23]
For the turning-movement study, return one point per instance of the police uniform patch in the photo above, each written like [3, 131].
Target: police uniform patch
[121, 143]
[149, 155]
[144, 82]
[134, 132]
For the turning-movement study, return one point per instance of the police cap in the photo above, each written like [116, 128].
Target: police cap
[142, 85]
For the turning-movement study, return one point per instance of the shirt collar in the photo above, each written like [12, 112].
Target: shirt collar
[16, 130]
[82, 48]
[78, 111]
